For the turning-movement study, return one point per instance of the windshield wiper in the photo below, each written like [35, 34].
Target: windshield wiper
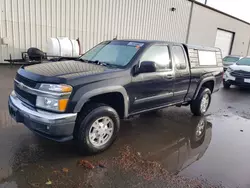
[83, 60]
[97, 62]
[110, 65]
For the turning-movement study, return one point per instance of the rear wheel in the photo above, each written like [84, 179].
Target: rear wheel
[200, 105]
[226, 84]
[96, 128]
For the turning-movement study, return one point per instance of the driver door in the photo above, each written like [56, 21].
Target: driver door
[154, 89]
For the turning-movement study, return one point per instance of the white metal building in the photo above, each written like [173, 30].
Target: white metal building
[29, 23]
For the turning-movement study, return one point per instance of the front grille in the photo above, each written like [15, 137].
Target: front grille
[25, 81]
[25, 96]
[241, 74]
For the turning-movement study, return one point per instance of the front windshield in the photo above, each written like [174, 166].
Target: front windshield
[244, 61]
[117, 53]
[231, 59]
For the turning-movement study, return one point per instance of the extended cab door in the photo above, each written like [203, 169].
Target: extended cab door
[154, 89]
[182, 72]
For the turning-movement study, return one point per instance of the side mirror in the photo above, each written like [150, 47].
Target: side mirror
[146, 67]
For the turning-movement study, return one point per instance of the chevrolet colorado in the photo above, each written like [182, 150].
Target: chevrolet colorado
[84, 99]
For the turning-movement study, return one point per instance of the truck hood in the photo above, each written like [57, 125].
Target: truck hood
[236, 67]
[66, 72]
[65, 69]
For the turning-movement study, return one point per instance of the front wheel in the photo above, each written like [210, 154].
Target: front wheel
[200, 105]
[96, 128]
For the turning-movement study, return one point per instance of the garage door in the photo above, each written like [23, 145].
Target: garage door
[224, 41]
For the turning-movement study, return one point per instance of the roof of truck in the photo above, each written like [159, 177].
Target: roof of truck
[145, 41]
[197, 47]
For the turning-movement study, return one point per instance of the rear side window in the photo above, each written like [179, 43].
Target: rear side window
[207, 58]
[179, 57]
[159, 55]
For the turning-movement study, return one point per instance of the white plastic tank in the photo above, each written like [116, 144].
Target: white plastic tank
[63, 46]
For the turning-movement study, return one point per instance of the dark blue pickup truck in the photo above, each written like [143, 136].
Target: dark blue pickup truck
[85, 98]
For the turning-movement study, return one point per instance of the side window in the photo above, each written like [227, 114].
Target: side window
[207, 58]
[158, 54]
[179, 57]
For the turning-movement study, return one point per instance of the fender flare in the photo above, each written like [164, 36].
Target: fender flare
[210, 78]
[103, 90]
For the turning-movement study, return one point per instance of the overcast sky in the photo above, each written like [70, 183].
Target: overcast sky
[237, 8]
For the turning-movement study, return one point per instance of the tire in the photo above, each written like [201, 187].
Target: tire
[196, 105]
[92, 113]
[226, 85]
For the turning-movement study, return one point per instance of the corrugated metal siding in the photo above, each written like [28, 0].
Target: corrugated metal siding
[29, 23]
[205, 23]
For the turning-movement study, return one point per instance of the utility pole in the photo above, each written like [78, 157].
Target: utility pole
[205, 2]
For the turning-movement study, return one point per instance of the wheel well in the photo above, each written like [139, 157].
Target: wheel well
[209, 85]
[115, 100]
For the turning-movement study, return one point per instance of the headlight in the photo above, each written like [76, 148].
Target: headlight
[56, 88]
[53, 101]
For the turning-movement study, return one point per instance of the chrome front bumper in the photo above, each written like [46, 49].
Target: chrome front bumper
[58, 127]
